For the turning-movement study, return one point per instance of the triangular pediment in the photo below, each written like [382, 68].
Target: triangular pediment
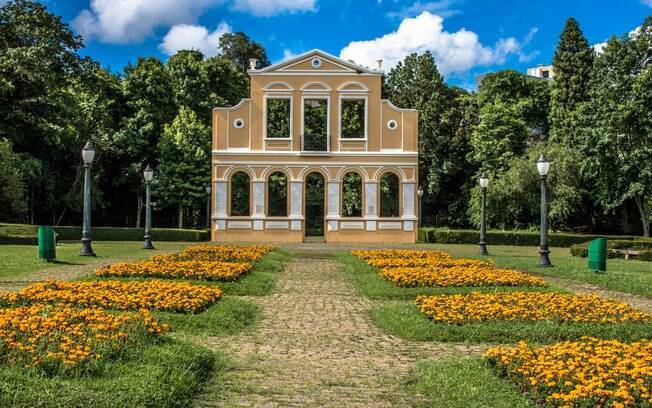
[315, 62]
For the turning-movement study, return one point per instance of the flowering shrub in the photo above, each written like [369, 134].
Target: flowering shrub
[223, 253]
[153, 294]
[480, 307]
[201, 270]
[460, 276]
[66, 338]
[586, 373]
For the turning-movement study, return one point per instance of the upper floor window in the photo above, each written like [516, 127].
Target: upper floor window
[278, 118]
[315, 124]
[353, 118]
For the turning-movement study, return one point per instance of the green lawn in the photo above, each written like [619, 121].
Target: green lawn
[627, 276]
[17, 260]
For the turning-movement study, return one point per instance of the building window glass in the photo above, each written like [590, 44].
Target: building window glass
[277, 195]
[389, 195]
[240, 194]
[353, 119]
[352, 195]
[278, 117]
[315, 125]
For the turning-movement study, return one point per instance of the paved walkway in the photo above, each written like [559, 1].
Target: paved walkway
[316, 346]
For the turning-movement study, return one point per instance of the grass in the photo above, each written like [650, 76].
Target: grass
[403, 320]
[166, 374]
[18, 260]
[367, 279]
[461, 383]
[626, 276]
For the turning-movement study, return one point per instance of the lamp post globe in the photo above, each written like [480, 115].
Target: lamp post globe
[543, 165]
[420, 194]
[208, 205]
[88, 154]
[148, 175]
[484, 183]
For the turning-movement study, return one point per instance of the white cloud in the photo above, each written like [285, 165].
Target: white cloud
[127, 21]
[268, 8]
[441, 8]
[288, 53]
[455, 52]
[193, 37]
[647, 2]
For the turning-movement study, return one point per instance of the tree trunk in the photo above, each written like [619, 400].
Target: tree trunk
[140, 209]
[180, 217]
[641, 204]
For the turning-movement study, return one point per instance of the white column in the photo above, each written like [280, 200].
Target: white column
[258, 204]
[296, 204]
[408, 207]
[333, 204]
[220, 198]
[371, 210]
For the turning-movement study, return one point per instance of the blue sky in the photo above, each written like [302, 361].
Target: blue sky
[467, 37]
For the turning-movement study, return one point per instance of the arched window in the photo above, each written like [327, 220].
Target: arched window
[240, 194]
[277, 195]
[389, 195]
[352, 195]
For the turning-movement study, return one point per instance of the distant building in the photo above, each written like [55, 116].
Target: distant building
[542, 71]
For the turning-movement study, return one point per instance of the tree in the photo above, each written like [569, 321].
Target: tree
[572, 64]
[185, 168]
[239, 48]
[617, 140]
[12, 189]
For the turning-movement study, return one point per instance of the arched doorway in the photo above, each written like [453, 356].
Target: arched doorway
[315, 205]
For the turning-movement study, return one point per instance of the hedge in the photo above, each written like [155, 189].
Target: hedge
[642, 245]
[517, 238]
[19, 234]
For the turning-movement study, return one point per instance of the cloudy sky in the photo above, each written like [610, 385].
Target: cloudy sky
[467, 37]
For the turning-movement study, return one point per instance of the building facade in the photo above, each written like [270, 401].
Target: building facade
[542, 71]
[314, 149]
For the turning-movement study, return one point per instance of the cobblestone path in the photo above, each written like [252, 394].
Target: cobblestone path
[316, 346]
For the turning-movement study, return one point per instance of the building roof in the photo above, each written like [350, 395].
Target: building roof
[343, 67]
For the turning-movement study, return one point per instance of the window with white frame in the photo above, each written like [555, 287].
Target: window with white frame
[315, 124]
[278, 118]
[353, 118]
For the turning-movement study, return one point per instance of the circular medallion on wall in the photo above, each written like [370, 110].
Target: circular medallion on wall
[238, 123]
[316, 63]
[392, 124]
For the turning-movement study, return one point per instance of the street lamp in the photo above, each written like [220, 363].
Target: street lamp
[208, 205]
[543, 166]
[484, 183]
[148, 174]
[88, 154]
[420, 194]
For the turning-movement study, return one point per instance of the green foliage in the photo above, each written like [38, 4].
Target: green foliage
[352, 195]
[389, 195]
[315, 125]
[239, 48]
[643, 247]
[240, 191]
[277, 195]
[278, 117]
[315, 202]
[353, 118]
[12, 188]
[572, 68]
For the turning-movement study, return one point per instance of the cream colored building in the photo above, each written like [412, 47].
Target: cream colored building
[542, 71]
[314, 117]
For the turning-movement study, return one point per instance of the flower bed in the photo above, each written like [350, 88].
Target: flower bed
[528, 306]
[400, 253]
[154, 294]
[459, 276]
[66, 338]
[587, 373]
[222, 253]
[201, 270]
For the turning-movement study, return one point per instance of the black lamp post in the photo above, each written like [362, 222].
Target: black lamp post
[148, 174]
[420, 194]
[208, 206]
[484, 183]
[543, 166]
[88, 154]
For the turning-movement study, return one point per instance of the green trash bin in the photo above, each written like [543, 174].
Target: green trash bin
[598, 255]
[46, 245]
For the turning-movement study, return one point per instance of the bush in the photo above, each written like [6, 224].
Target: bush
[20, 234]
[518, 238]
[642, 245]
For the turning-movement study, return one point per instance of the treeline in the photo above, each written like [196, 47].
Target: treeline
[593, 122]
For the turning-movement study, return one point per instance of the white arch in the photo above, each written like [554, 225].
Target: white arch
[322, 86]
[396, 170]
[340, 174]
[271, 169]
[234, 169]
[287, 86]
[319, 169]
[361, 87]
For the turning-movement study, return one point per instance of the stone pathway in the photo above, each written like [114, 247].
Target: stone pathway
[316, 346]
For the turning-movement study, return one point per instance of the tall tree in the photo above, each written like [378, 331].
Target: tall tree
[618, 122]
[12, 189]
[572, 64]
[239, 48]
[184, 169]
